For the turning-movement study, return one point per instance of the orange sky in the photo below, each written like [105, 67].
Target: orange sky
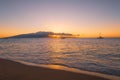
[89, 32]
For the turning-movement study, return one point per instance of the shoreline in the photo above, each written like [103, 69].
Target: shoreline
[75, 70]
[20, 70]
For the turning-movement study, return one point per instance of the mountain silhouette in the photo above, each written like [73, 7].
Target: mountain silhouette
[41, 34]
[33, 35]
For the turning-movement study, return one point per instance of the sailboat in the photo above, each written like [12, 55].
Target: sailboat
[100, 37]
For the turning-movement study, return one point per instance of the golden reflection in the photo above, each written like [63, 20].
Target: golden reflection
[57, 48]
[57, 45]
[55, 67]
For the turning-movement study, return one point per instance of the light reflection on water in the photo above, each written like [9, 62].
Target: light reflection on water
[89, 54]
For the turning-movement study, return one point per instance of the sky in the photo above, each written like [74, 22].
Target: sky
[85, 17]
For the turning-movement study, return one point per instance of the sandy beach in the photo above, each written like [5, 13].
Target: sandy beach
[10, 70]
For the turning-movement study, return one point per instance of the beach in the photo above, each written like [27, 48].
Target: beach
[10, 70]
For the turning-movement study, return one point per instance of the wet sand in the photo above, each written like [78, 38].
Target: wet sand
[10, 70]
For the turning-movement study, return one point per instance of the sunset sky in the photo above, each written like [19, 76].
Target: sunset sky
[85, 17]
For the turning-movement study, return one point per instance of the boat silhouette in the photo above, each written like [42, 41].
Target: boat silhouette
[100, 37]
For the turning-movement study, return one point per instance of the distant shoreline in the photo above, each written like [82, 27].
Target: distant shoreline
[44, 34]
[58, 38]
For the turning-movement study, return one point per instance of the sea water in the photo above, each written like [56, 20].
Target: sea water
[98, 55]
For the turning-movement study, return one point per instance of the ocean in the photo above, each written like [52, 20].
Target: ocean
[97, 55]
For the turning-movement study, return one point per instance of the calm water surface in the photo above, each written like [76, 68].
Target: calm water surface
[100, 55]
